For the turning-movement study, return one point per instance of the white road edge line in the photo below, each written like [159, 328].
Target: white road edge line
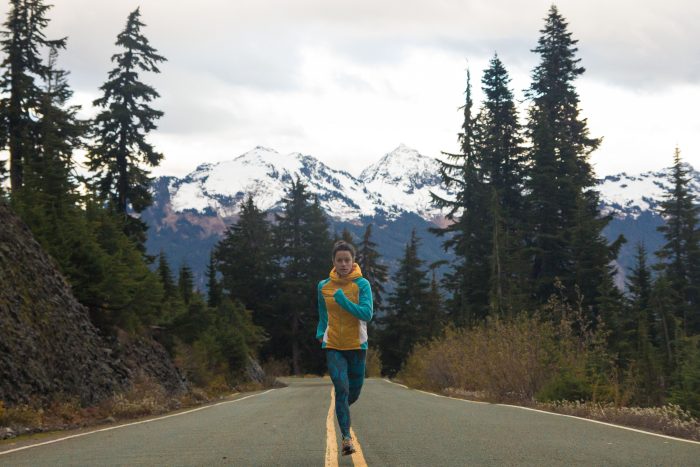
[395, 383]
[603, 423]
[130, 424]
[554, 413]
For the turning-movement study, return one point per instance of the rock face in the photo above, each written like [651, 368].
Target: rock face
[48, 345]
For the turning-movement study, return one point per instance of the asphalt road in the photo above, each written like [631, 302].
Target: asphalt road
[393, 426]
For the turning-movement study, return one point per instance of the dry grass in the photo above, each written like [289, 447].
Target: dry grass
[144, 398]
[670, 419]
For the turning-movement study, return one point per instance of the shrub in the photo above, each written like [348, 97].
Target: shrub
[373, 363]
[565, 386]
[686, 392]
[506, 360]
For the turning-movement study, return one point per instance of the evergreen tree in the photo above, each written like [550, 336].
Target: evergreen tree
[22, 41]
[664, 299]
[372, 269]
[468, 280]
[346, 236]
[408, 316]
[128, 295]
[303, 250]
[213, 286]
[245, 258]
[565, 225]
[501, 153]
[49, 199]
[59, 134]
[640, 282]
[681, 252]
[166, 276]
[185, 283]
[434, 313]
[641, 330]
[121, 127]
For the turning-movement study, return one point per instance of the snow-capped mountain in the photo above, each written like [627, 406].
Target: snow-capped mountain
[631, 195]
[266, 174]
[189, 215]
[400, 182]
[403, 180]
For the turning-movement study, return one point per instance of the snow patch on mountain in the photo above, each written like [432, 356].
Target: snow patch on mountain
[403, 180]
[400, 182]
[629, 195]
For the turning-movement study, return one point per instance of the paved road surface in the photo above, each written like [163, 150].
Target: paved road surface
[394, 426]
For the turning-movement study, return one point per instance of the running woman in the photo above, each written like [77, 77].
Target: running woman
[344, 308]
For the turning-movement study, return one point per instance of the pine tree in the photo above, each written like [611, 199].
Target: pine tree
[166, 276]
[639, 282]
[372, 269]
[566, 239]
[49, 199]
[245, 258]
[185, 283]
[468, 280]
[501, 153]
[681, 252]
[121, 127]
[213, 285]
[128, 295]
[346, 236]
[303, 248]
[434, 313]
[641, 330]
[664, 301]
[59, 134]
[408, 316]
[23, 39]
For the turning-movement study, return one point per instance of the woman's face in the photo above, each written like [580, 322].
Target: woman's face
[343, 262]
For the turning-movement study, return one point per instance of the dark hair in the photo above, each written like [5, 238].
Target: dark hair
[342, 245]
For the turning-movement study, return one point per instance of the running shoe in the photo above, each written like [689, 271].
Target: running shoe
[347, 446]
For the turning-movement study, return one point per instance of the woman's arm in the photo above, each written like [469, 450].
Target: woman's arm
[322, 314]
[362, 310]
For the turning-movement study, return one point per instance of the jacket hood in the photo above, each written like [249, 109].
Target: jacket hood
[354, 273]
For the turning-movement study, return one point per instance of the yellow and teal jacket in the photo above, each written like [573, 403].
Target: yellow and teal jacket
[344, 308]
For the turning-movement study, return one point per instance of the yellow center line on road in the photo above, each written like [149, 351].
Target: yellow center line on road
[331, 443]
[358, 458]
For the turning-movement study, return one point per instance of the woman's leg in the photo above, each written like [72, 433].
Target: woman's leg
[356, 373]
[338, 371]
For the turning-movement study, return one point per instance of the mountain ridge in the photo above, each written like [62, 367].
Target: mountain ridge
[190, 214]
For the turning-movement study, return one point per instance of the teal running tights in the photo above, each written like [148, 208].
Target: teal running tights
[347, 371]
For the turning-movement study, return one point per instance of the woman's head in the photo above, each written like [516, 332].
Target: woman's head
[343, 257]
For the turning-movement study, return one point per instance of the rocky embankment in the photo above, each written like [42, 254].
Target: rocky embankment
[48, 346]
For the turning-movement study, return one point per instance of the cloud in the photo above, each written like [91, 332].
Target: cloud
[348, 81]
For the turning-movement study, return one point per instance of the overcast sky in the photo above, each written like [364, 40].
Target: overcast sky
[347, 81]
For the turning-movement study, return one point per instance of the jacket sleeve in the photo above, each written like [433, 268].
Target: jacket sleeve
[322, 314]
[362, 310]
